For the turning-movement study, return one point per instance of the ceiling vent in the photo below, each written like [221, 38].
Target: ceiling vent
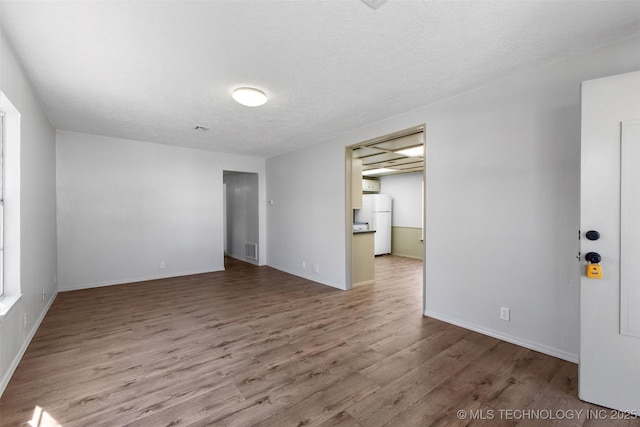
[374, 4]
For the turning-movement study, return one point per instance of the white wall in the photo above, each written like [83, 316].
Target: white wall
[406, 192]
[124, 206]
[242, 213]
[502, 198]
[306, 221]
[37, 217]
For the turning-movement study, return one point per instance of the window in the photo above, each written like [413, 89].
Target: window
[1, 203]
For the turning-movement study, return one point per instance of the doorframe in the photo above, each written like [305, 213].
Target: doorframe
[225, 218]
[421, 128]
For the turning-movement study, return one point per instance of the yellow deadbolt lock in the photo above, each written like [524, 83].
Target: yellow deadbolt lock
[594, 271]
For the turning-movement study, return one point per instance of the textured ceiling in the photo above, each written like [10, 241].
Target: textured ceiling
[153, 70]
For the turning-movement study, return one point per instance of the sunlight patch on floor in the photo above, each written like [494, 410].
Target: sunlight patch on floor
[41, 418]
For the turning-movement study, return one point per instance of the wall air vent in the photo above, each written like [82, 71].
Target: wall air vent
[374, 4]
[251, 250]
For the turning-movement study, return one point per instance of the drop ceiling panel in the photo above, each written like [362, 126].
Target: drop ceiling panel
[392, 163]
[379, 158]
[401, 143]
[363, 152]
[382, 154]
[402, 163]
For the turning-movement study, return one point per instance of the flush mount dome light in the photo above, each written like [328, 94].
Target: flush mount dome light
[249, 96]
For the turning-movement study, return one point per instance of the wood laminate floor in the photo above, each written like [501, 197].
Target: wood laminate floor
[255, 346]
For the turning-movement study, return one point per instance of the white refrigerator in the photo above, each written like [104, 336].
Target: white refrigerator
[376, 210]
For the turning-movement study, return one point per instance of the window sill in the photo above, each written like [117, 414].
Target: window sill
[7, 302]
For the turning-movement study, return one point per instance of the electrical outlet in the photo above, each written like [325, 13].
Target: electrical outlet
[304, 265]
[505, 313]
[316, 268]
[163, 264]
[42, 294]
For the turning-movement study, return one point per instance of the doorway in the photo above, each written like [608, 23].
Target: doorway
[396, 160]
[240, 215]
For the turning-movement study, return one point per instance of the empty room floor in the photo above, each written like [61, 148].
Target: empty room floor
[256, 346]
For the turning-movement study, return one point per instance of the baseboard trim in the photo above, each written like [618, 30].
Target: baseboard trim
[311, 278]
[63, 288]
[243, 259]
[569, 357]
[407, 256]
[16, 361]
[366, 282]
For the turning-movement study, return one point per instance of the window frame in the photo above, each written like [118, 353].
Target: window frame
[2, 181]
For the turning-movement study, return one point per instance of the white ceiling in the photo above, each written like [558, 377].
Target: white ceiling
[153, 70]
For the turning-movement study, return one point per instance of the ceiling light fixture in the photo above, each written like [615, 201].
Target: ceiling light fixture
[251, 97]
[417, 151]
[377, 171]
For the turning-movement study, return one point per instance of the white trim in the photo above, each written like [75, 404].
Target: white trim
[14, 364]
[2, 222]
[308, 277]
[7, 302]
[407, 256]
[243, 259]
[63, 288]
[366, 282]
[11, 197]
[628, 227]
[570, 357]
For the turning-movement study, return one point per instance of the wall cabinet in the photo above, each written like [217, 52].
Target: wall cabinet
[370, 186]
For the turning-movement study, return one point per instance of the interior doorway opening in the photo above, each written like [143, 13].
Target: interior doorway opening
[241, 216]
[391, 165]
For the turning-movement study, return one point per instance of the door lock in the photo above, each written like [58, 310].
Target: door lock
[592, 235]
[594, 269]
[593, 257]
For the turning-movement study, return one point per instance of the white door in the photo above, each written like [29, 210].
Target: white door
[609, 372]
